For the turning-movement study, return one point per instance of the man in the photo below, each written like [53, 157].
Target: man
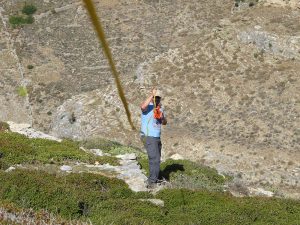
[152, 119]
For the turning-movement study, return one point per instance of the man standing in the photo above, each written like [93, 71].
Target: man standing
[152, 119]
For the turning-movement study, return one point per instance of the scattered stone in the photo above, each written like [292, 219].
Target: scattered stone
[27, 130]
[130, 156]
[97, 152]
[238, 189]
[10, 169]
[260, 192]
[66, 168]
[257, 27]
[176, 157]
[154, 201]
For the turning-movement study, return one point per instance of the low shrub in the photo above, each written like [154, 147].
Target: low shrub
[29, 9]
[190, 175]
[17, 20]
[4, 126]
[27, 18]
[109, 201]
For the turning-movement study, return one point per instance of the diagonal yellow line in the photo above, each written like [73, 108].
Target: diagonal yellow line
[100, 33]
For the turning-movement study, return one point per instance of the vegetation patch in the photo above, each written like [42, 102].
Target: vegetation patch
[249, 2]
[190, 175]
[72, 196]
[29, 9]
[4, 126]
[30, 67]
[10, 214]
[22, 91]
[18, 149]
[109, 201]
[25, 18]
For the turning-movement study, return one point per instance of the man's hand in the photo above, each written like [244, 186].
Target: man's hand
[154, 91]
[145, 104]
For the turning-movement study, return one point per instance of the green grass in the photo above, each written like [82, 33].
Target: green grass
[18, 149]
[19, 20]
[22, 91]
[105, 201]
[190, 175]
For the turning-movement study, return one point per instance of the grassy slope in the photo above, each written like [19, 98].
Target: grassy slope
[104, 200]
[18, 149]
[109, 200]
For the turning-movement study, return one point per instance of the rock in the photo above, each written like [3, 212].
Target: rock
[10, 169]
[257, 27]
[284, 46]
[176, 157]
[238, 189]
[154, 201]
[260, 192]
[225, 22]
[131, 156]
[27, 130]
[66, 168]
[97, 152]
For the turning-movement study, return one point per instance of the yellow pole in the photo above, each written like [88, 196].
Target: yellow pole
[100, 33]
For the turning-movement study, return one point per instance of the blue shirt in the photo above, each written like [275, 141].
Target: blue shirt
[150, 126]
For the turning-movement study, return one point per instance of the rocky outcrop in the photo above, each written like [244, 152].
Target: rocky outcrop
[28, 131]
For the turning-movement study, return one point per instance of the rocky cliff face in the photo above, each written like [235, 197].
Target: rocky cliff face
[230, 76]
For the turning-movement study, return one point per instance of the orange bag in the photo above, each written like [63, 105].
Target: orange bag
[157, 113]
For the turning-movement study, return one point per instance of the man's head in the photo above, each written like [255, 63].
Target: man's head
[157, 97]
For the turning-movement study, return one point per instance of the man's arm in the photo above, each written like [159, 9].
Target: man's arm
[145, 104]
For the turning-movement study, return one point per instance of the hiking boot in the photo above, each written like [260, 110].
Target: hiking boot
[151, 185]
[162, 180]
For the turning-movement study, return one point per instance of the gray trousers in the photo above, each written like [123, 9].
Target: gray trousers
[153, 147]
